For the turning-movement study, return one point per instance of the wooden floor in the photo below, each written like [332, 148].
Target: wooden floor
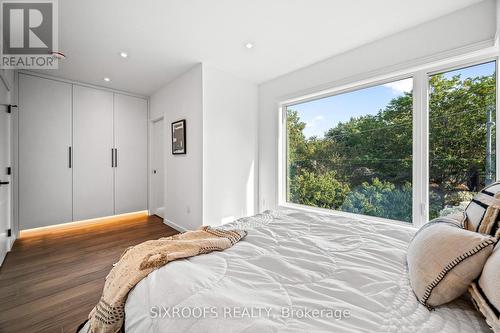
[51, 279]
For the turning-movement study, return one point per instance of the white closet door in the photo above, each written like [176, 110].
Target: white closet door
[44, 141]
[92, 144]
[131, 141]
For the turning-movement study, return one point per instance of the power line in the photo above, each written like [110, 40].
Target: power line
[404, 123]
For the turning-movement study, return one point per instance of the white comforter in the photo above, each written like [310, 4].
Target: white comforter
[295, 272]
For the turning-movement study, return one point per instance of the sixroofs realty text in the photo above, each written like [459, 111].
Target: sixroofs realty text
[162, 312]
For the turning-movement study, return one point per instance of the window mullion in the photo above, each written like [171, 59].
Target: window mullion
[420, 149]
[497, 132]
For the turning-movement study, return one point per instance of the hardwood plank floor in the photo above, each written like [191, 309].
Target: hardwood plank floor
[52, 278]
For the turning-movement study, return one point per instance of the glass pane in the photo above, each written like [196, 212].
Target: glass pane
[462, 150]
[353, 152]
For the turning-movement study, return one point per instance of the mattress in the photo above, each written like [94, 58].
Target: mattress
[295, 272]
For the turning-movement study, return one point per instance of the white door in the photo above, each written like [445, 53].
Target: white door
[4, 178]
[92, 153]
[45, 177]
[131, 143]
[157, 168]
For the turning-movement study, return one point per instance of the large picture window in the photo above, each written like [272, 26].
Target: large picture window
[462, 150]
[353, 151]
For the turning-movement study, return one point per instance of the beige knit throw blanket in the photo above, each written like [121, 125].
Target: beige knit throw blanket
[140, 260]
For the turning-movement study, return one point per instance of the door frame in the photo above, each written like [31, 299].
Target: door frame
[8, 178]
[150, 162]
[11, 188]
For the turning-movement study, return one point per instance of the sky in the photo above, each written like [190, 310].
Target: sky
[322, 114]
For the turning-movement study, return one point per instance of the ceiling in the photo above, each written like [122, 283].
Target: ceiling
[164, 38]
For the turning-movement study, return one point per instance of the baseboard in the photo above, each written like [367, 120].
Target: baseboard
[174, 225]
[160, 212]
[10, 243]
[12, 239]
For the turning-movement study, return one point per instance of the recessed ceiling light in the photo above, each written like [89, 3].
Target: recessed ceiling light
[248, 45]
[123, 54]
[107, 79]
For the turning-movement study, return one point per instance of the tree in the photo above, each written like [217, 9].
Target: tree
[382, 199]
[298, 151]
[458, 127]
[382, 143]
[318, 190]
[365, 164]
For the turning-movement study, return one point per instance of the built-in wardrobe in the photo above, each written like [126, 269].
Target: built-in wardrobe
[82, 152]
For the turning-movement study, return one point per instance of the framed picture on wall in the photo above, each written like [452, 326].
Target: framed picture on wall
[179, 137]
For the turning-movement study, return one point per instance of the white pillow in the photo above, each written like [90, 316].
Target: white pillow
[483, 212]
[485, 291]
[443, 260]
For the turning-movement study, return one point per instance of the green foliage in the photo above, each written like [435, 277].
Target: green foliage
[456, 198]
[321, 190]
[365, 164]
[380, 143]
[382, 199]
[457, 128]
[436, 203]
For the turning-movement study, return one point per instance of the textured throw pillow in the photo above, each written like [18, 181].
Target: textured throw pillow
[485, 291]
[482, 213]
[444, 259]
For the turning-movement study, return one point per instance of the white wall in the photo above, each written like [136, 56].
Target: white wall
[463, 31]
[6, 86]
[497, 37]
[229, 147]
[216, 181]
[182, 99]
[7, 77]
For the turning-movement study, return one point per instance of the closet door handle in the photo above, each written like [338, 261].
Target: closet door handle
[112, 157]
[70, 158]
[116, 157]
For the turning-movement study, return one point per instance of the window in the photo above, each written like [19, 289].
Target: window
[462, 150]
[353, 152]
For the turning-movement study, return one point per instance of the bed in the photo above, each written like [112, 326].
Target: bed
[295, 271]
